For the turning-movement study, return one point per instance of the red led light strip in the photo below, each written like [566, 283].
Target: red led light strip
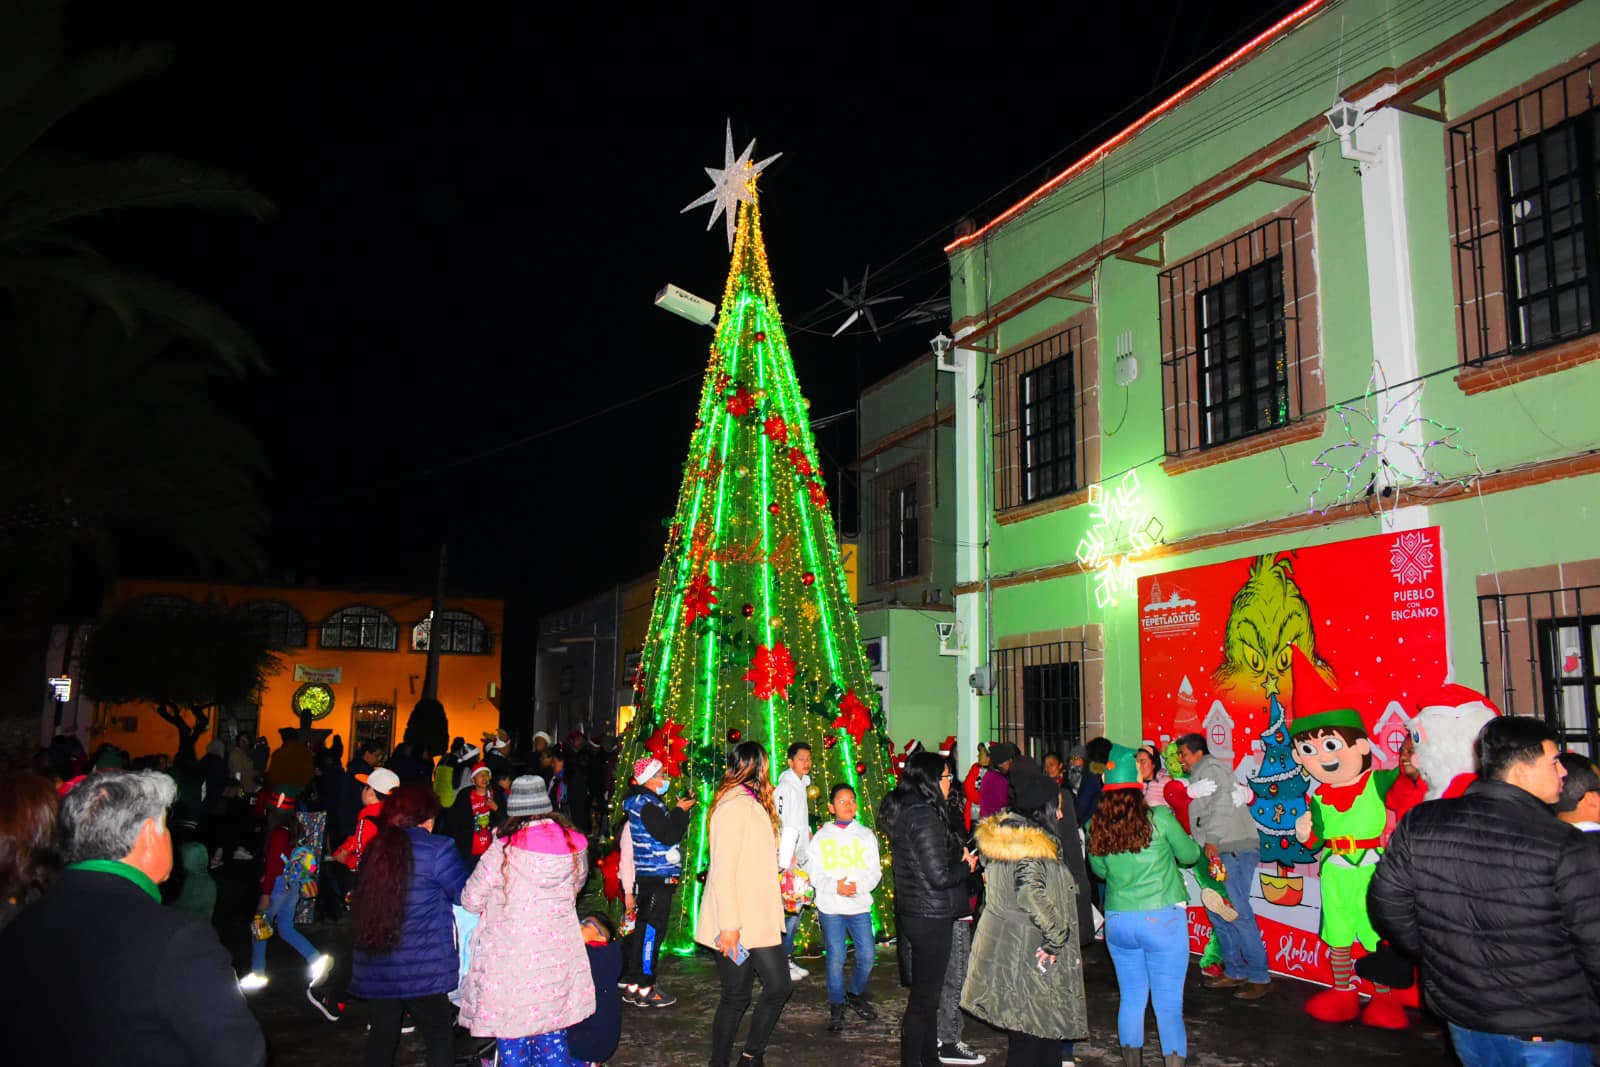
[1203, 81]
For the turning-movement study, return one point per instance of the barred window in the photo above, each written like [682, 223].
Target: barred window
[1541, 657]
[1523, 184]
[1244, 386]
[1038, 698]
[458, 632]
[360, 627]
[1049, 439]
[1046, 422]
[896, 531]
[278, 623]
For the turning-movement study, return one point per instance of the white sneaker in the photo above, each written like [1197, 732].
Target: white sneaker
[241, 854]
[796, 972]
[319, 968]
[252, 982]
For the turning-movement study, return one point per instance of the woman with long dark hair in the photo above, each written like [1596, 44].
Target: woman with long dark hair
[1137, 849]
[741, 911]
[405, 946]
[30, 849]
[930, 873]
[529, 979]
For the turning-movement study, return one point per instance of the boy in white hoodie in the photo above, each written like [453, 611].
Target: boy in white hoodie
[843, 864]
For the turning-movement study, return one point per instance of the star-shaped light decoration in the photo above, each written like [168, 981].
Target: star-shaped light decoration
[732, 182]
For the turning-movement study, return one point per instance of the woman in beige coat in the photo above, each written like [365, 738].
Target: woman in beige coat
[741, 911]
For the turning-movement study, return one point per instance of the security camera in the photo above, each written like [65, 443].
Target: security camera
[945, 630]
[1343, 117]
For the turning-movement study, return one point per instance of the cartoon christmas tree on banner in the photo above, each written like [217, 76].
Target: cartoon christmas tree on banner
[1280, 795]
[753, 636]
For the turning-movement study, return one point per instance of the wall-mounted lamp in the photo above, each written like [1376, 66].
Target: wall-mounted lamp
[1345, 118]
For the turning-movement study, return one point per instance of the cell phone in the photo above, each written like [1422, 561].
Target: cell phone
[740, 954]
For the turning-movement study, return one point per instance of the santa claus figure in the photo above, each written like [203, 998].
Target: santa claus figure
[1444, 731]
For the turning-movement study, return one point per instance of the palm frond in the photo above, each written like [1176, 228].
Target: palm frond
[69, 87]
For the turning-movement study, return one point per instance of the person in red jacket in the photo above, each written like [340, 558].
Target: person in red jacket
[374, 787]
[1409, 789]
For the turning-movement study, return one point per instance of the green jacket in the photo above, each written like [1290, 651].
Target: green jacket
[1148, 879]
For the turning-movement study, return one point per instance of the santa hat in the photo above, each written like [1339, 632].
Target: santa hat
[1457, 697]
[484, 767]
[645, 769]
[1317, 704]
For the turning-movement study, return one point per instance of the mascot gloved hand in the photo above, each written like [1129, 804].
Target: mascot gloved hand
[1345, 823]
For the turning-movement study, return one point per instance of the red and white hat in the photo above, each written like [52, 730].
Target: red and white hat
[645, 769]
[381, 781]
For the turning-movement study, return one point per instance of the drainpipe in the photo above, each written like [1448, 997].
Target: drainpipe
[1371, 140]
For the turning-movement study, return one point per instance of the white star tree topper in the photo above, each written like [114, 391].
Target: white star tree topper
[732, 182]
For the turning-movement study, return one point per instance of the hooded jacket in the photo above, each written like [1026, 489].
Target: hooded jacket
[1029, 904]
[929, 876]
[840, 852]
[789, 797]
[426, 961]
[655, 830]
[1496, 897]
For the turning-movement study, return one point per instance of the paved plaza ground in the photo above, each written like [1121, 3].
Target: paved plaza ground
[1223, 1032]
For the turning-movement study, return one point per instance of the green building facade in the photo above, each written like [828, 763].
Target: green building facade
[1209, 299]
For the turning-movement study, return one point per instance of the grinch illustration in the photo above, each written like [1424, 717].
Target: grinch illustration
[1268, 617]
[1345, 824]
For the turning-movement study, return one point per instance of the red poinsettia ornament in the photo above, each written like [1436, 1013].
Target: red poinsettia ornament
[797, 459]
[776, 430]
[668, 745]
[819, 495]
[741, 403]
[611, 870]
[854, 716]
[771, 671]
[698, 597]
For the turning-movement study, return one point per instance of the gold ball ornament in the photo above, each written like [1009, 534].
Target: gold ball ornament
[813, 792]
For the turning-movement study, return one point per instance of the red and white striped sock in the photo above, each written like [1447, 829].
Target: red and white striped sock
[1339, 959]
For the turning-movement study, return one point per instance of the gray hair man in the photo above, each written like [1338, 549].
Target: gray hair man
[98, 957]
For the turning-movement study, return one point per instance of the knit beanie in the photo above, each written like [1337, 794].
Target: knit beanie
[529, 796]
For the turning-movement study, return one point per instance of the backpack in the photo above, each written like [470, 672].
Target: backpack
[300, 871]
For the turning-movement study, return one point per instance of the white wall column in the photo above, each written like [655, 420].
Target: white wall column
[971, 502]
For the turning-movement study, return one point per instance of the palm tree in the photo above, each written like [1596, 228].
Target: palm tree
[44, 192]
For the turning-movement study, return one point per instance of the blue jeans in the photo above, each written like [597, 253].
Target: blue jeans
[1244, 953]
[280, 910]
[1150, 950]
[834, 929]
[1477, 1048]
[791, 923]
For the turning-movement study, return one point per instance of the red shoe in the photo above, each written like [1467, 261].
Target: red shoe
[1385, 1012]
[1212, 971]
[1334, 1005]
[1411, 996]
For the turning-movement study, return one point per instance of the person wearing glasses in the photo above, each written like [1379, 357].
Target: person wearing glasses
[930, 865]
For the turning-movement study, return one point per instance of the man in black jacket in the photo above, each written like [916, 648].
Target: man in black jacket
[97, 971]
[1495, 896]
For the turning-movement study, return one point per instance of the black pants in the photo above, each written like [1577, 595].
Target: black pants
[642, 953]
[772, 967]
[930, 955]
[1025, 1050]
[435, 1021]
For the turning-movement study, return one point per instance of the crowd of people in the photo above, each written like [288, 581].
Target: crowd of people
[463, 881]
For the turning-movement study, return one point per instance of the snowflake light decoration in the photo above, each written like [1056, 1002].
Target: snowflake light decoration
[1119, 520]
[1388, 449]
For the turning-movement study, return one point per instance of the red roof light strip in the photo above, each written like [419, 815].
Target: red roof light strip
[1265, 37]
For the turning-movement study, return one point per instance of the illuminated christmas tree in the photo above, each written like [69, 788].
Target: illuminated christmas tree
[753, 635]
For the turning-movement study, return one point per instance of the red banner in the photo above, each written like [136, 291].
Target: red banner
[1214, 659]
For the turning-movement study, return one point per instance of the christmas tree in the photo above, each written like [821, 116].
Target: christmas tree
[1280, 789]
[753, 635]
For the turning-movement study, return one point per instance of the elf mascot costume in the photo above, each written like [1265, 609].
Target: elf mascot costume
[1345, 824]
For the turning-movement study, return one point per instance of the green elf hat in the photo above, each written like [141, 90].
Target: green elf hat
[1122, 770]
[1318, 705]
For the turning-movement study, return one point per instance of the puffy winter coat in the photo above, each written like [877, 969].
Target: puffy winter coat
[426, 961]
[1029, 904]
[529, 972]
[1496, 897]
[929, 876]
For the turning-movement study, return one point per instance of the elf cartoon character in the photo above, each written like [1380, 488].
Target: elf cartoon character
[1345, 825]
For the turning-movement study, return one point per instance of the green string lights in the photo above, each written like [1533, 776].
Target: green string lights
[753, 636]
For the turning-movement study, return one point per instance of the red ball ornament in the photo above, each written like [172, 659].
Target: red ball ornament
[808, 578]
[830, 741]
[760, 336]
[774, 508]
[861, 768]
[749, 610]
[733, 737]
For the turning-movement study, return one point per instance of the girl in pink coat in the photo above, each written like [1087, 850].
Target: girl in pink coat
[529, 978]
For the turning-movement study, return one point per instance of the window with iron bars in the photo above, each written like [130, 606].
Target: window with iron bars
[1039, 420]
[360, 628]
[278, 623]
[1523, 187]
[458, 632]
[1233, 349]
[896, 530]
[1541, 657]
[1038, 697]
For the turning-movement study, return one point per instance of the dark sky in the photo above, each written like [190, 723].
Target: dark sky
[476, 203]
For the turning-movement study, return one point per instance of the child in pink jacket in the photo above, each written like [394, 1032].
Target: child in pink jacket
[529, 979]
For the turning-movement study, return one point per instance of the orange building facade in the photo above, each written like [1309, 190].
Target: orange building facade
[361, 654]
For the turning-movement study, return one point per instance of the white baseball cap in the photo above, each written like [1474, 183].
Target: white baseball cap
[381, 781]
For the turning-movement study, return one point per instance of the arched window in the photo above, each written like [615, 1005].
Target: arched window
[159, 604]
[360, 627]
[278, 623]
[460, 632]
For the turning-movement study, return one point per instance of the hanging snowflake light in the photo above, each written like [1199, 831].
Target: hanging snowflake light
[1121, 529]
[1388, 449]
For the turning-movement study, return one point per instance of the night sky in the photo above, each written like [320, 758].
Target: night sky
[476, 203]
